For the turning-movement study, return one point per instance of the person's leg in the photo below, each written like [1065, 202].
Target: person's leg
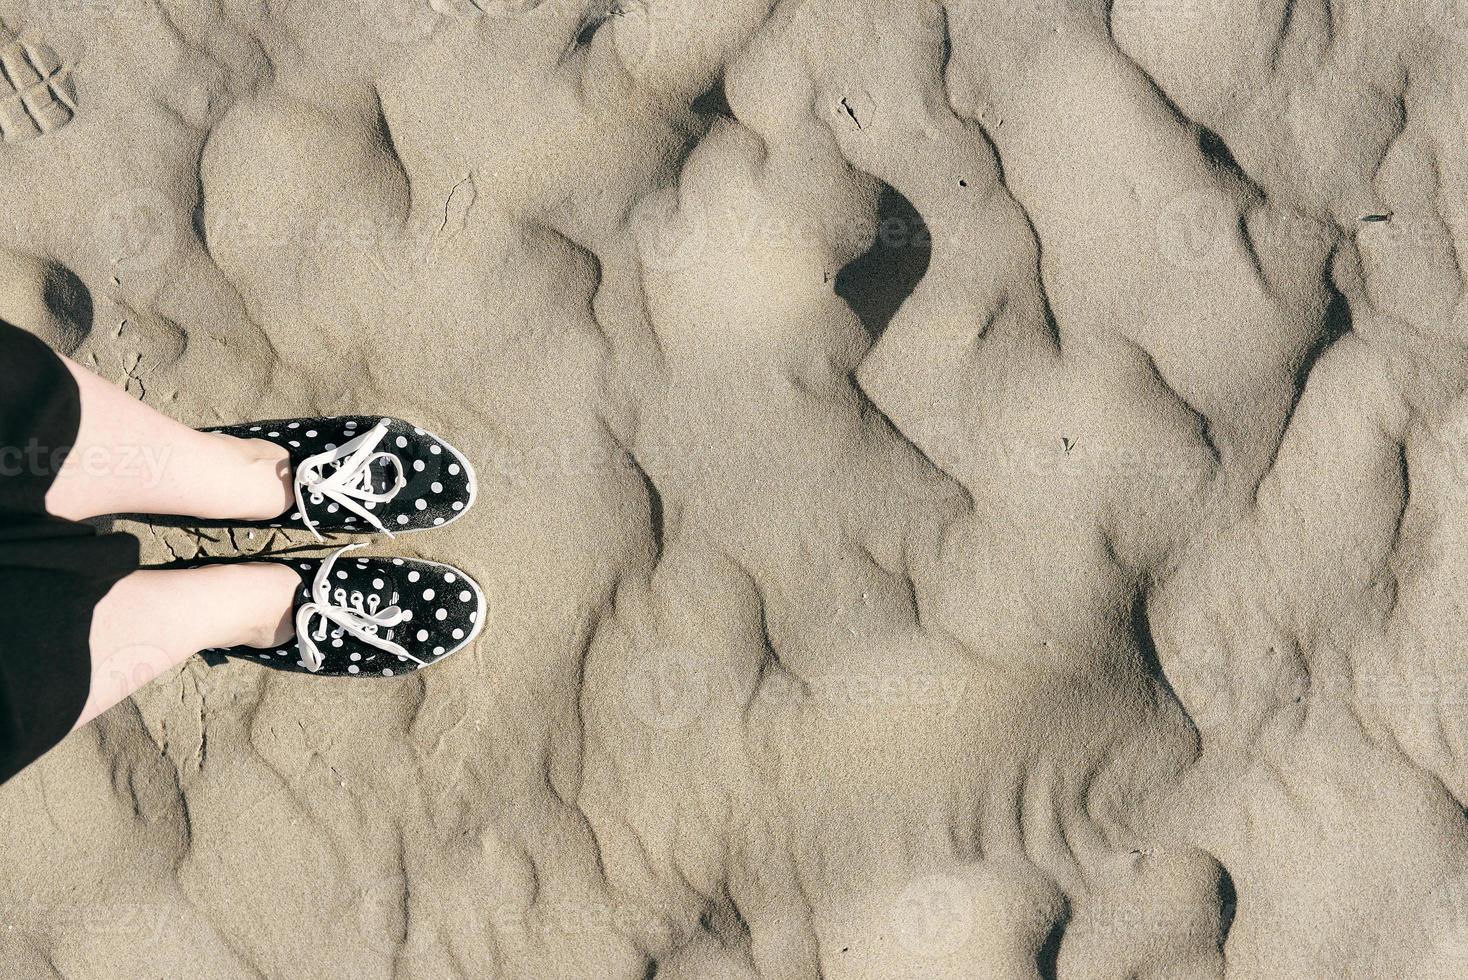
[130, 459]
[152, 621]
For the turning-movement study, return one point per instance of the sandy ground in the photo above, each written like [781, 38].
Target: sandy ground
[968, 490]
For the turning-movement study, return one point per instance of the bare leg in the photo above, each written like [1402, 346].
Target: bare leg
[131, 459]
[153, 621]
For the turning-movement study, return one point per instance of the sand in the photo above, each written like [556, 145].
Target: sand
[968, 490]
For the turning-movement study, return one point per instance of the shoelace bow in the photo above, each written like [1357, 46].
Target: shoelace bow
[361, 616]
[350, 481]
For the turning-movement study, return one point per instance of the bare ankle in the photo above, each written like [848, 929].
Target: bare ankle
[267, 490]
[270, 599]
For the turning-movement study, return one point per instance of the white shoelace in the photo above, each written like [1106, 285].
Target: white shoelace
[350, 612]
[351, 481]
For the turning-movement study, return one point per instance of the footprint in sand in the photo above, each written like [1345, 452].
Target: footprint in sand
[37, 94]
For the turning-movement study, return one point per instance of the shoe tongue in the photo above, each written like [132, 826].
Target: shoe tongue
[383, 476]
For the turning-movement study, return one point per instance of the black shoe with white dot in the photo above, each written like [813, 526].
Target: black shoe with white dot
[374, 617]
[361, 473]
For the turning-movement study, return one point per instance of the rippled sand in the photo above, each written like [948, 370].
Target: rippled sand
[969, 490]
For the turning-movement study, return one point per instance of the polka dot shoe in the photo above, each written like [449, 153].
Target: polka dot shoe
[359, 474]
[374, 617]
